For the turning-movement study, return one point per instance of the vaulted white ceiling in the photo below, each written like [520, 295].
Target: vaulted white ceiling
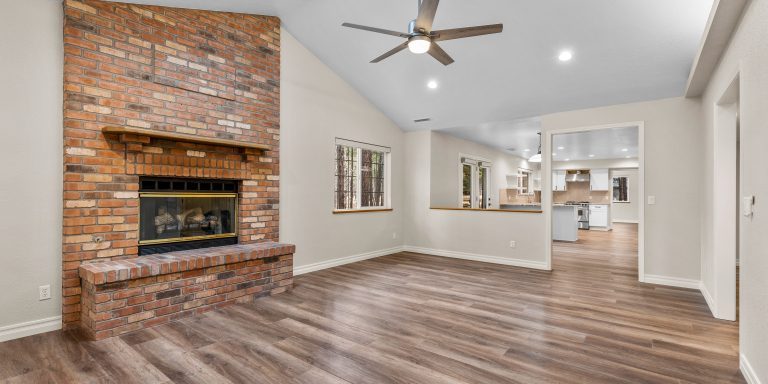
[624, 51]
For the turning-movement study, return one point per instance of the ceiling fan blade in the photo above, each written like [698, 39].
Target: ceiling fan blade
[391, 52]
[439, 54]
[377, 30]
[427, 11]
[459, 33]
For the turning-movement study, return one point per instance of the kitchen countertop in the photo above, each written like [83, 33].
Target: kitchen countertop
[525, 204]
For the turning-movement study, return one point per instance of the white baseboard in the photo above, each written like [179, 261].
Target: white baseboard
[626, 221]
[672, 281]
[708, 297]
[747, 371]
[29, 328]
[476, 257]
[343, 260]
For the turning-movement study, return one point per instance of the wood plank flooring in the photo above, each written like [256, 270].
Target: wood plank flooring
[410, 318]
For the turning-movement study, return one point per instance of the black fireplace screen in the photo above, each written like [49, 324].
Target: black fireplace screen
[177, 214]
[186, 217]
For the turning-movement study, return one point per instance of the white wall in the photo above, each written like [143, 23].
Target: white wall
[316, 106]
[747, 55]
[468, 234]
[673, 147]
[444, 172]
[627, 212]
[31, 72]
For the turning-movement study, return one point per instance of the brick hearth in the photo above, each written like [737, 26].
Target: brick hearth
[127, 295]
[207, 74]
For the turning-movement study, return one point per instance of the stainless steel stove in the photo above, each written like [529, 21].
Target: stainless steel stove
[583, 212]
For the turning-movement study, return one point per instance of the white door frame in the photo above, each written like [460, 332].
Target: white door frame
[546, 188]
[475, 187]
[725, 204]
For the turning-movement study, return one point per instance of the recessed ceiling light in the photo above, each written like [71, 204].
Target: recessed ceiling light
[624, 149]
[567, 159]
[526, 150]
[432, 84]
[561, 148]
[565, 56]
[591, 155]
[554, 154]
[628, 157]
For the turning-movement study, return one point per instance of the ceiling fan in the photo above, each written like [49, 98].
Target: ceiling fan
[421, 37]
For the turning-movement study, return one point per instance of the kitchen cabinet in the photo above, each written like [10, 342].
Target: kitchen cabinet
[558, 180]
[565, 222]
[599, 180]
[598, 215]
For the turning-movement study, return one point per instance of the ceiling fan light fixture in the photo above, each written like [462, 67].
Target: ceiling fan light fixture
[419, 44]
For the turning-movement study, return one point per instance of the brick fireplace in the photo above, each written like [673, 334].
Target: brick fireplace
[155, 93]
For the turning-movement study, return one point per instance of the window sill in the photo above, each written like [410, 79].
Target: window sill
[363, 211]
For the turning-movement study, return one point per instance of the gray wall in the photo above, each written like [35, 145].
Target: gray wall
[31, 179]
[468, 234]
[444, 168]
[747, 55]
[673, 163]
[316, 106]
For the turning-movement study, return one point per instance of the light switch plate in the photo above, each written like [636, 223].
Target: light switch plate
[651, 200]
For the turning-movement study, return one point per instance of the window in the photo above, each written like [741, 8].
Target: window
[362, 176]
[475, 183]
[620, 188]
[524, 181]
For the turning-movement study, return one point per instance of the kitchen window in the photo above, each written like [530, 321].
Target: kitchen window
[620, 190]
[475, 183]
[524, 182]
[362, 176]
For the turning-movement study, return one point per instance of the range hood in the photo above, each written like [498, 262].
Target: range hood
[577, 177]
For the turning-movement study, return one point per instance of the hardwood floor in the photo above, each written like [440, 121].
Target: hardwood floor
[410, 318]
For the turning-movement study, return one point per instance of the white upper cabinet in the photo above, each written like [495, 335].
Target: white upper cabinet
[599, 180]
[558, 180]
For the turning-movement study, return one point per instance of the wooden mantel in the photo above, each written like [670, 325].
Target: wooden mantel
[175, 136]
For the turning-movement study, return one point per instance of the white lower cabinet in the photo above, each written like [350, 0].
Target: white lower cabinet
[598, 215]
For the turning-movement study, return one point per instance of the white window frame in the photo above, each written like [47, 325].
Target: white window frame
[528, 188]
[475, 162]
[358, 177]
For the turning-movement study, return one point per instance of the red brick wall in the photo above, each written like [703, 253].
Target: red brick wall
[204, 73]
[114, 308]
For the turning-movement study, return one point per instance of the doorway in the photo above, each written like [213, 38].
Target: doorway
[590, 176]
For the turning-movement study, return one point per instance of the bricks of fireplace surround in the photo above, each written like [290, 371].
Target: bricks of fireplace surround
[132, 294]
[203, 73]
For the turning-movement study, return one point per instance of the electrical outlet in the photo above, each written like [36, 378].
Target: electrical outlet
[651, 200]
[394, 235]
[513, 244]
[45, 292]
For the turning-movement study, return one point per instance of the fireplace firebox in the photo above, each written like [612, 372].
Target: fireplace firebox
[182, 214]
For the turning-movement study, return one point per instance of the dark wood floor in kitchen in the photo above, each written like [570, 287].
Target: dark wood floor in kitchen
[410, 318]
